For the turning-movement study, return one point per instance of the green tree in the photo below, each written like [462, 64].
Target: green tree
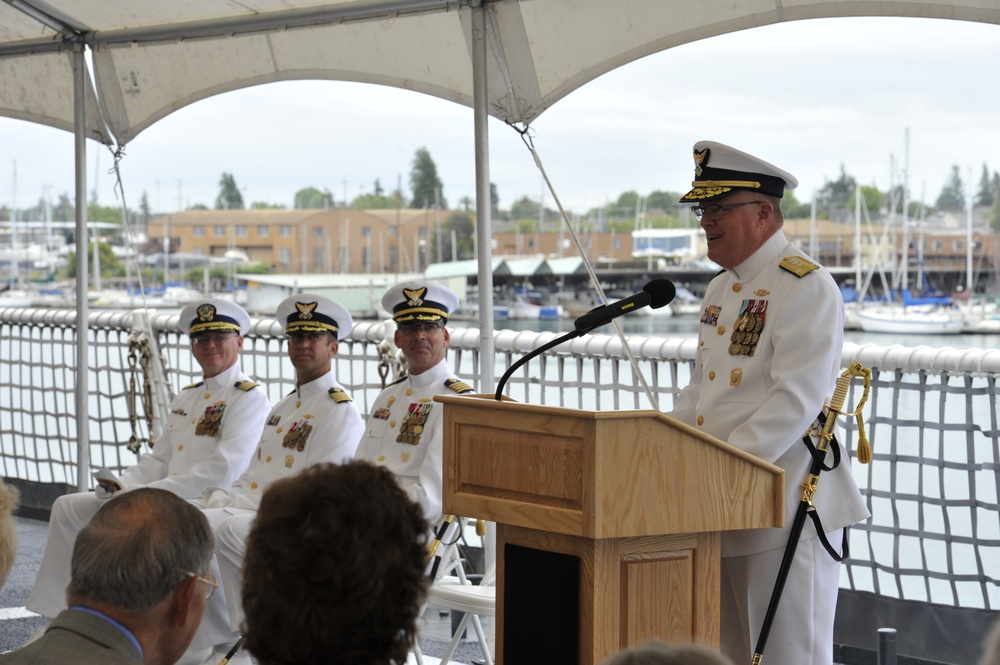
[229, 197]
[665, 201]
[64, 211]
[987, 188]
[627, 202]
[524, 208]
[526, 225]
[837, 193]
[374, 201]
[792, 209]
[310, 197]
[264, 205]
[465, 232]
[110, 265]
[424, 182]
[145, 214]
[952, 196]
[872, 198]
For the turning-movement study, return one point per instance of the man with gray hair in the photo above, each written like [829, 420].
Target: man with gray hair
[138, 586]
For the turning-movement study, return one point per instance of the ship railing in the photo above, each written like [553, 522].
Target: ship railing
[927, 562]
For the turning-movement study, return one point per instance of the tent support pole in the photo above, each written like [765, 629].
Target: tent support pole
[484, 223]
[82, 328]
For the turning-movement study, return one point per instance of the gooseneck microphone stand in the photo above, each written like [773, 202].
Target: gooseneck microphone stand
[572, 334]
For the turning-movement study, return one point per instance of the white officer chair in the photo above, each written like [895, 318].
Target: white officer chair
[456, 592]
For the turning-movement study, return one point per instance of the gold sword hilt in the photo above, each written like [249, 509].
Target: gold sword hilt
[836, 409]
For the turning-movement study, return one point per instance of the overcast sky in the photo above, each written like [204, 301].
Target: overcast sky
[806, 95]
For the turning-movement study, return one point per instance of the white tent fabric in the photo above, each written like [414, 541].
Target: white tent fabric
[152, 57]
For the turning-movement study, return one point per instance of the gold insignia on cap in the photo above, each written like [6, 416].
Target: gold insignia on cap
[206, 312]
[700, 158]
[305, 310]
[415, 297]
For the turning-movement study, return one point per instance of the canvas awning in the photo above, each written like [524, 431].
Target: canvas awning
[151, 57]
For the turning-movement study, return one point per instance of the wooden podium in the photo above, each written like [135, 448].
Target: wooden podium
[607, 522]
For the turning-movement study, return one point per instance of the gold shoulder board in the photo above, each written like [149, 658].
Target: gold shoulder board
[458, 386]
[246, 386]
[798, 265]
[194, 385]
[339, 395]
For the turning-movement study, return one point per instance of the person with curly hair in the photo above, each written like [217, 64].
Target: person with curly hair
[656, 652]
[334, 569]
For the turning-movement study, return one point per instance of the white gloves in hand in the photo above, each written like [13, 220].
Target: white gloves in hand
[219, 498]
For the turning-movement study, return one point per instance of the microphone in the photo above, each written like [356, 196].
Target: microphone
[655, 294]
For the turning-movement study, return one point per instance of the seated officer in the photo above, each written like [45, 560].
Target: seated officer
[404, 429]
[211, 431]
[317, 422]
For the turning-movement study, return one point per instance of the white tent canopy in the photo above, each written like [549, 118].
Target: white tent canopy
[152, 57]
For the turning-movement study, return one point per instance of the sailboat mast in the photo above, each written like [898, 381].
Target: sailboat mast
[13, 275]
[906, 207]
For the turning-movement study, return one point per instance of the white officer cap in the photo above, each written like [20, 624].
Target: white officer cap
[213, 314]
[720, 169]
[419, 302]
[308, 312]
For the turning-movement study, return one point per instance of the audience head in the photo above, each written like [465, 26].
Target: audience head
[334, 568]
[143, 560]
[136, 550]
[656, 652]
[9, 499]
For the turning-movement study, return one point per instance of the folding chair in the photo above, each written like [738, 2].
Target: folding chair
[457, 593]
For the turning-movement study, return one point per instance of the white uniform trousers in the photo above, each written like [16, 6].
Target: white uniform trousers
[70, 513]
[802, 630]
[230, 547]
[216, 629]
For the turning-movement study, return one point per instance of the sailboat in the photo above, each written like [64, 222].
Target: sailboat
[906, 315]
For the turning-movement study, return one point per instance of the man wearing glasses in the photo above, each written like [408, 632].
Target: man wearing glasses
[138, 588]
[404, 428]
[211, 430]
[317, 422]
[770, 345]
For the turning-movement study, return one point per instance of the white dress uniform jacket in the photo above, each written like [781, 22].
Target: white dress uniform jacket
[404, 433]
[315, 423]
[761, 389]
[208, 439]
[211, 431]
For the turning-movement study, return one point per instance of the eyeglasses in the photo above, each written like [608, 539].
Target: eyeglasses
[210, 584]
[716, 210]
[216, 338]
